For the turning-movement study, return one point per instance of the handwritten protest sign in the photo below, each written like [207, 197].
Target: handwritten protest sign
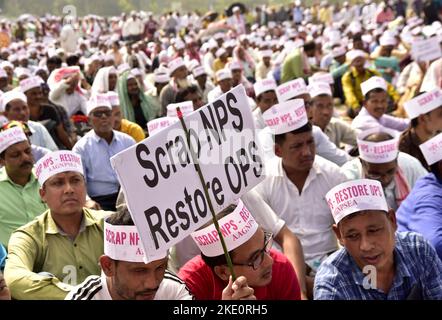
[426, 50]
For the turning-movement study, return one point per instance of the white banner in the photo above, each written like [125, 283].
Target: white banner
[161, 185]
[426, 50]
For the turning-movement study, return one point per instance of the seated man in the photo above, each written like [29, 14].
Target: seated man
[298, 179]
[425, 112]
[125, 275]
[375, 263]
[338, 131]
[379, 159]
[290, 245]
[20, 201]
[61, 247]
[268, 272]
[96, 148]
[121, 124]
[422, 210]
[265, 98]
[224, 83]
[269, 221]
[373, 113]
[353, 78]
[15, 106]
[297, 89]
[191, 93]
[39, 111]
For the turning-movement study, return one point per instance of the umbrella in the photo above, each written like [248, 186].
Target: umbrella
[229, 10]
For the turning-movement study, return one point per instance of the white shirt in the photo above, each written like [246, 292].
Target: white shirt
[71, 102]
[68, 39]
[95, 288]
[40, 136]
[433, 76]
[307, 213]
[133, 27]
[324, 147]
[410, 166]
[214, 94]
[364, 121]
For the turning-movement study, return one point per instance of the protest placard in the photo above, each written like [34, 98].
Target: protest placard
[426, 50]
[163, 192]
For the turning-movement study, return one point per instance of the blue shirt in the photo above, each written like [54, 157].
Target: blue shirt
[39, 152]
[3, 255]
[418, 270]
[421, 211]
[95, 154]
[297, 15]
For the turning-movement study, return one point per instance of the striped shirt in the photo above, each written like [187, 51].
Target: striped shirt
[418, 274]
[95, 288]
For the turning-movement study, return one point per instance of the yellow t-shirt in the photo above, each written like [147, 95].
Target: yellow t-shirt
[132, 129]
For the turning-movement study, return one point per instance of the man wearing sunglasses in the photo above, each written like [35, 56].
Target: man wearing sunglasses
[97, 147]
[268, 272]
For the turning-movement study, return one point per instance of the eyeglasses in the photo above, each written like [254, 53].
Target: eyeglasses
[99, 114]
[259, 258]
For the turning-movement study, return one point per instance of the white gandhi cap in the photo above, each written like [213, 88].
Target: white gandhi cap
[354, 196]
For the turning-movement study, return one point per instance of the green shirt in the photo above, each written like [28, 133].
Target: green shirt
[40, 246]
[383, 63]
[338, 70]
[18, 205]
[292, 68]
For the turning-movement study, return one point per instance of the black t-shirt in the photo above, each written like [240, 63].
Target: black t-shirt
[139, 116]
[50, 118]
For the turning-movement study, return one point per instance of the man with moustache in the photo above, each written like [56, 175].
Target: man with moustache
[125, 275]
[298, 179]
[97, 147]
[296, 89]
[376, 262]
[178, 74]
[61, 247]
[15, 104]
[19, 199]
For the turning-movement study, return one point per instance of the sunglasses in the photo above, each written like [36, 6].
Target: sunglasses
[99, 114]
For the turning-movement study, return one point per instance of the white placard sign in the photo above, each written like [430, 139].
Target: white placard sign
[161, 185]
[426, 50]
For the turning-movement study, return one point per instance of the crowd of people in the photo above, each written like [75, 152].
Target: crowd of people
[347, 103]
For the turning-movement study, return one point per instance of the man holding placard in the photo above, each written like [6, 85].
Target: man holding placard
[268, 272]
[60, 247]
[380, 159]
[159, 176]
[376, 263]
